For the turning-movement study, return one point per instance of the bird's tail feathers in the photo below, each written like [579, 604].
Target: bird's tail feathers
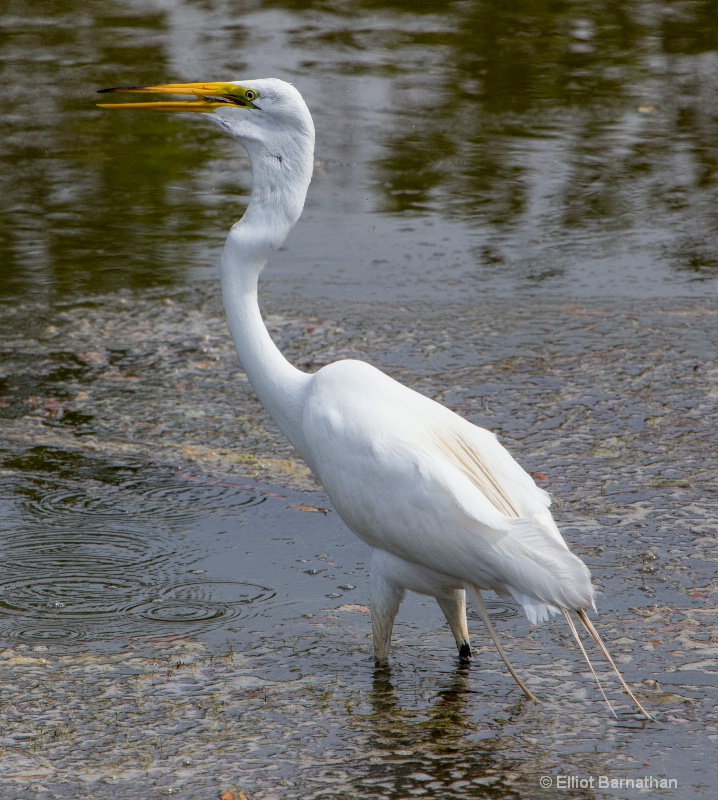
[536, 611]
[588, 625]
[541, 575]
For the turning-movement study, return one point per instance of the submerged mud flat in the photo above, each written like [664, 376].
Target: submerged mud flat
[175, 620]
[171, 720]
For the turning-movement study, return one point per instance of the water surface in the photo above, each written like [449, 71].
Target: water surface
[481, 148]
[513, 211]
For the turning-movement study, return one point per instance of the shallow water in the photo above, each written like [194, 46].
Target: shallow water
[483, 148]
[514, 212]
[177, 619]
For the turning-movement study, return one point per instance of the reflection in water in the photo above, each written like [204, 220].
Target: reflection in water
[541, 130]
[527, 146]
[428, 750]
[393, 723]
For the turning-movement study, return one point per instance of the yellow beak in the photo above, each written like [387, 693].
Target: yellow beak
[208, 97]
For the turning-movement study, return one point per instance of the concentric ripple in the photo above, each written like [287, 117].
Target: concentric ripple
[133, 500]
[203, 601]
[188, 612]
[500, 609]
[94, 549]
[84, 607]
[231, 592]
[36, 631]
[89, 549]
[53, 595]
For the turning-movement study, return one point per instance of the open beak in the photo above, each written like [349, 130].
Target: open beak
[207, 97]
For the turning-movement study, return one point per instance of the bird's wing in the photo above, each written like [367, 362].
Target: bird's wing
[536, 566]
[490, 467]
[411, 477]
[529, 556]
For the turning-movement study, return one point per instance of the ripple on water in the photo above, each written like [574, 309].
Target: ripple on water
[53, 595]
[92, 550]
[96, 550]
[35, 631]
[133, 500]
[201, 601]
[78, 606]
[55, 484]
[236, 592]
[498, 609]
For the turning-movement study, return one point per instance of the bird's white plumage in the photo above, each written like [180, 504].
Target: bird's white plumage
[407, 475]
[443, 505]
[413, 478]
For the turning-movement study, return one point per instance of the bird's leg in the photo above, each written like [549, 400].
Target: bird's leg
[383, 613]
[385, 597]
[454, 608]
[483, 611]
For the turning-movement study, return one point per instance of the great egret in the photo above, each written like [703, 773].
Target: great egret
[442, 504]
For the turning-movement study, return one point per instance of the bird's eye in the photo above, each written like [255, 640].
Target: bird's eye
[250, 94]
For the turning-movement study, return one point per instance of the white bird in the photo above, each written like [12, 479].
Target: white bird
[444, 507]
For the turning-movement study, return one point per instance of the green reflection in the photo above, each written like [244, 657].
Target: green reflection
[570, 118]
[593, 90]
[90, 200]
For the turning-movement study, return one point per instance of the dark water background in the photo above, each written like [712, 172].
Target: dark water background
[563, 147]
[514, 211]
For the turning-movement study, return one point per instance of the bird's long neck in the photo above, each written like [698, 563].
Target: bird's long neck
[278, 189]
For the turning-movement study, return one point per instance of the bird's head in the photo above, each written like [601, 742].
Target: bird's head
[266, 111]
